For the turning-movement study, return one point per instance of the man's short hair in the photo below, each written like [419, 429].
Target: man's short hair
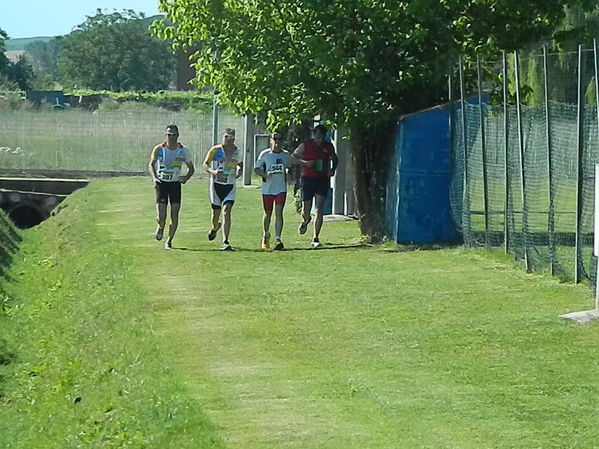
[321, 129]
[229, 132]
[173, 128]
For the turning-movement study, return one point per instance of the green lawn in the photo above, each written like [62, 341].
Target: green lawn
[114, 342]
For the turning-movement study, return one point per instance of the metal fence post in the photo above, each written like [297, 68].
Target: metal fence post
[451, 116]
[215, 132]
[338, 180]
[483, 151]
[465, 202]
[522, 172]
[596, 253]
[248, 149]
[506, 198]
[551, 214]
[579, 177]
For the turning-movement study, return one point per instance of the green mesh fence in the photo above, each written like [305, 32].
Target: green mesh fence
[101, 140]
[528, 200]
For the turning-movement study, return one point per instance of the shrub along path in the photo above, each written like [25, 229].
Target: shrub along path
[344, 347]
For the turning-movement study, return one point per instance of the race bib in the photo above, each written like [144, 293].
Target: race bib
[222, 178]
[166, 175]
[277, 168]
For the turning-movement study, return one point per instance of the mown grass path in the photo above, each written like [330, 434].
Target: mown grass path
[352, 346]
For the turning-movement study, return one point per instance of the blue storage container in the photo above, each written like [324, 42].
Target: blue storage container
[417, 208]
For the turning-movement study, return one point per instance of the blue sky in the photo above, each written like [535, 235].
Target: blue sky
[30, 18]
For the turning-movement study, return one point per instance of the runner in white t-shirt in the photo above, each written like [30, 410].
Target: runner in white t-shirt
[165, 165]
[271, 165]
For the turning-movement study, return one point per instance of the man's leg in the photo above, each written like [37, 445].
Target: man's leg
[172, 229]
[214, 218]
[278, 220]
[267, 204]
[319, 215]
[265, 244]
[306, 194]
[161, 214]
[266, 221]
[226, 220]
[160, 219]
[279, 205]
[306, 217]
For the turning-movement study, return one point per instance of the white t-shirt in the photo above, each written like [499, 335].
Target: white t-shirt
[169, 162]
[276, 164]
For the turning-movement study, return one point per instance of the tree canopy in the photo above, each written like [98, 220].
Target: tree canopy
[351, 60]
[115, 52]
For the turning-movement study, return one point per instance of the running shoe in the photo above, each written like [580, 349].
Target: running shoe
[226, 246]
[303, 226]
[168, 245]
[265, 241]
[159, 233]
[279, 246]
[315, 243]
[212, 232]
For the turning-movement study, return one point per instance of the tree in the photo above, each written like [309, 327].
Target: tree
[21, 73]
[358, 63]
[115, 52]
[13, 76]
[4, 62]
[44, 56]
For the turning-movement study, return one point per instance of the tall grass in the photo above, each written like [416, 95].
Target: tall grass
[86, 367]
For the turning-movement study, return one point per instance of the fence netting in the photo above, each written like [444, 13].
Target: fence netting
[525, 181]
[101, 140]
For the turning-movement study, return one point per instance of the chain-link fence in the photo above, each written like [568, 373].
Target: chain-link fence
[524, 156]
[101, 140]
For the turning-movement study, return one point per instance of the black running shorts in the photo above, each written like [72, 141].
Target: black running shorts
[313, 186]
[168, 191]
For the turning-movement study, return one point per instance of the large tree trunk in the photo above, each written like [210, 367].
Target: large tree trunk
[372, 148]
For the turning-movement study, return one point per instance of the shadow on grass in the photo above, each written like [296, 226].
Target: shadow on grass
[6, 358]
[6, 256]
[13, 237]
[6, 355]
[8, 247]
[423, 247]
[324, 247]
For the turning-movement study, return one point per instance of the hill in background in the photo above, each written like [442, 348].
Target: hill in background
[21, 42]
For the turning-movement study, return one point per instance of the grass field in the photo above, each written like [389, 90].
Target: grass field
[114, 342]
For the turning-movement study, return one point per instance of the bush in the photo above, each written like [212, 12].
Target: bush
[11, 100]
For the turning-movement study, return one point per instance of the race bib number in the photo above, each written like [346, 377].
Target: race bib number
[222, 178]
[277, 168]
[166, 176]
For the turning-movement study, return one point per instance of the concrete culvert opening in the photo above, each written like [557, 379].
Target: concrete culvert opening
[25, 217]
